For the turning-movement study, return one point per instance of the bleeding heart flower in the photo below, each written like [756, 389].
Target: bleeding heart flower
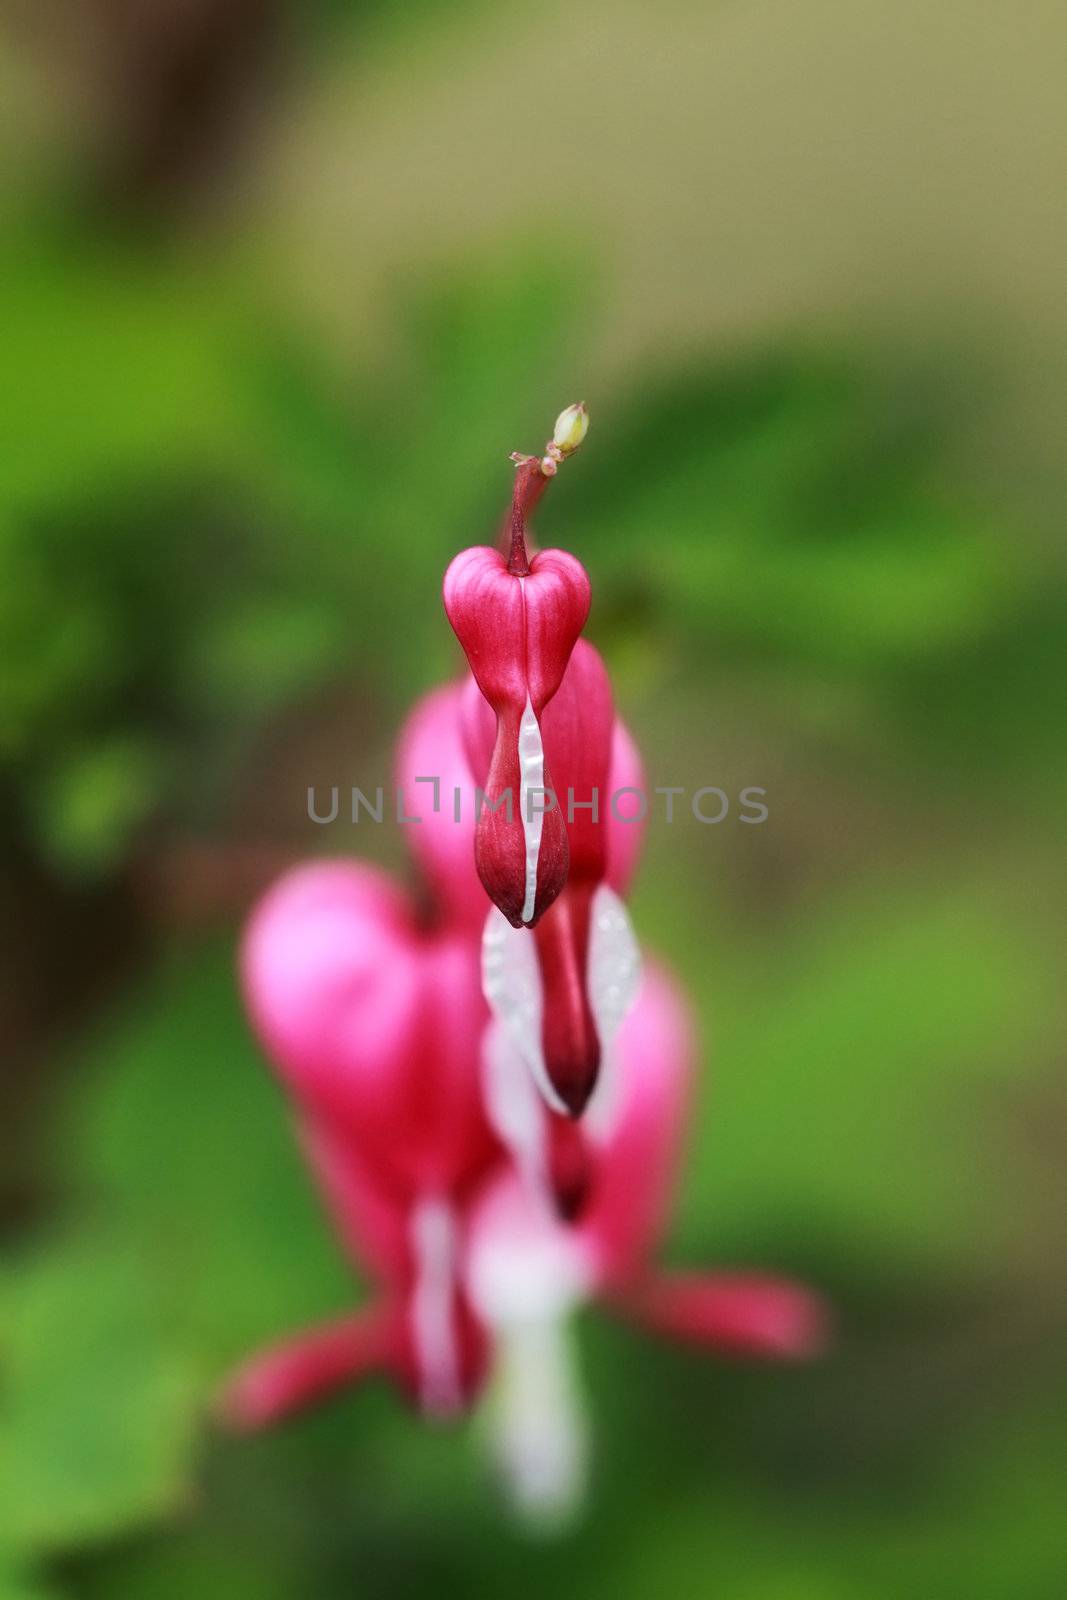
[559, 986]
[538, 717]
[435, 783]
[518, 620]
[409, 1088]
[431, 770]
[555, 986]
[374, 1024]
[591, 753]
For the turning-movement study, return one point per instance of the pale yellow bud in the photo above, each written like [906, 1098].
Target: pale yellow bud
[571, 428]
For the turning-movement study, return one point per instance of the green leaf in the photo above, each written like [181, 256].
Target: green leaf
[98, 1415]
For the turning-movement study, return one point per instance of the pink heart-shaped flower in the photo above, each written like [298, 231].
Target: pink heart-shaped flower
[373, 1024]
[518, 633]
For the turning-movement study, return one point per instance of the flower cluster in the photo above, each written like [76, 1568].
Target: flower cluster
[488, 1082]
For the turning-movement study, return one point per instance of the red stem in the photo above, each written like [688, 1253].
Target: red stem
[530, 485]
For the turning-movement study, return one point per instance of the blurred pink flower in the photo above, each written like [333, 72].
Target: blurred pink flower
[612, 1246]
[374, 1024]
[527, 1272]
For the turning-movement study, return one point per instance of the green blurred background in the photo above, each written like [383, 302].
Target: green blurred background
[282, 286]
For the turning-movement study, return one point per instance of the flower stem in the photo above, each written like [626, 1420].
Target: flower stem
[532, 477]
[530, 485]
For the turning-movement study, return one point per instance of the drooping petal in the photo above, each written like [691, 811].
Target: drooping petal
[578, 725]
[556, 1155]
[539, 1425]
[514, 1106]
[743, 1313]
[552, 1153]
[526, 1273]
[590, 971]
[308, 1368]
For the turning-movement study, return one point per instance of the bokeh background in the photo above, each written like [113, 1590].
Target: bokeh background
[282, 285]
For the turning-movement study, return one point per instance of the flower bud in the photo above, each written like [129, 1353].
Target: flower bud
[518, 634]
[571, 428]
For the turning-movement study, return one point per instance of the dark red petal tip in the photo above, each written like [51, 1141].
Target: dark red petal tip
[569, 1035]
[570, 1167]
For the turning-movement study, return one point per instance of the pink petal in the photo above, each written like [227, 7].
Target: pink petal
[314, 1365]
[517, 633]
[330, 964]
[624, 839]
[585, 750]
[374, 1025]
[745, 1314]
[372, 1221]
[431, 746]
[501, 835]
[307, 1369]
[578, 725]
[636, 1170]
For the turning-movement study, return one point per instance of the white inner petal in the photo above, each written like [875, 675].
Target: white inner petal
[523, 1264]
[531, 779]
[513, 1104]
[614, 977]
[433, 1239]
[511, 983]
[541, 1430]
